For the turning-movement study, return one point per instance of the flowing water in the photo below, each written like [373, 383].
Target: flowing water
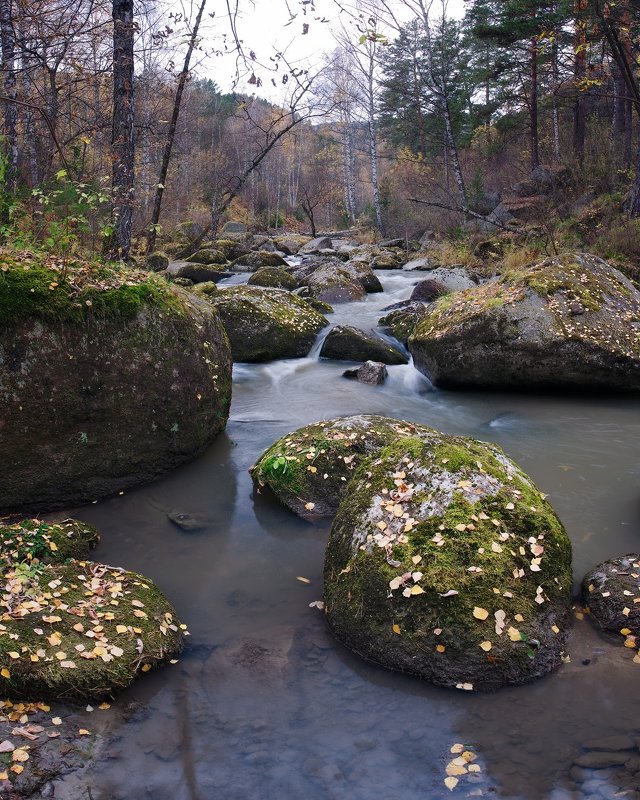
[264, 704]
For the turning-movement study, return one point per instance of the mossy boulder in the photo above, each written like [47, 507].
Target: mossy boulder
[386, 260]
[331, 283]
[308, 470]
[31, 540]
[255, 260]
[567, 322]
[273, 277]
[266, 324]
[291, 243]
[108, 378]
[609, 592]
[156, 262]
[445, 562]
[207, 256]
[231, 248]
[187, 231]
[364, 275]
[70, 629]
[197, 273]
[401, 322]
[318, 305]
[346, 343]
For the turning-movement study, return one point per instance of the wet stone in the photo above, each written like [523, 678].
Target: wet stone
[601, 760]
[188, 522]
[610, 743]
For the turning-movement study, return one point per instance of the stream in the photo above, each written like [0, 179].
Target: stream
[264, 703]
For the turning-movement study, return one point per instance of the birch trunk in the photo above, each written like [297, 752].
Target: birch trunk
[166, 156]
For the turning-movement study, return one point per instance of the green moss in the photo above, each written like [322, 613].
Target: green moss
[274, 277]
[34, 540]
[472, 525]
[35, 285]
[314, 464]
[72, 629]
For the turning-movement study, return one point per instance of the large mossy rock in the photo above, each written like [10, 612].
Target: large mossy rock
[610, 591]
[364, 275]
[207, 256]
[401, 322]
[308, 470]
[291, 243]
[256, 260]
[72, 629]
[196, 273]
[274, 277]
[332, 283]
[346, 343]
[108, 378]
[266, 324]
[571, 321]
[157, 261]
[444, 561]
[231, 248]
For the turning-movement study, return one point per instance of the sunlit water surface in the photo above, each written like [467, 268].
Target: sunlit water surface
[264, 704]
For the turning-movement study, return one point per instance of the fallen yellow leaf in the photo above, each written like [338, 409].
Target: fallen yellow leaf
[480, 613]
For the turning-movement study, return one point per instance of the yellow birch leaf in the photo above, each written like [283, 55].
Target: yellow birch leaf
[451, 783]
[486, 646]
[480, 613]
[396, 628]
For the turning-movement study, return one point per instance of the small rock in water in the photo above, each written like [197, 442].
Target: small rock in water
[601, 760]
[373, 373]
[188, 522]
[610, 743]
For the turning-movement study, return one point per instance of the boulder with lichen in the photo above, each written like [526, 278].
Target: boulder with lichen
[567, 322]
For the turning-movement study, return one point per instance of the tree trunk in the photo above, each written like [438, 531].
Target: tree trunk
[166, 156]
[619, 109]
[10, 90]
[373, 149]
[555, 114]
[122, 132]
[533, 104]
[579, 74]
[634, 210]
[350, 172]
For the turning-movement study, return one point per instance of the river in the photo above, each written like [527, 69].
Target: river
[264, 704]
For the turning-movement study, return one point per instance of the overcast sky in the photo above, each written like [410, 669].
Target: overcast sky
[265, 27]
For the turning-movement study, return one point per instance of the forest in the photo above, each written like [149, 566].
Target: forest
[319, 379]
[409, 106]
